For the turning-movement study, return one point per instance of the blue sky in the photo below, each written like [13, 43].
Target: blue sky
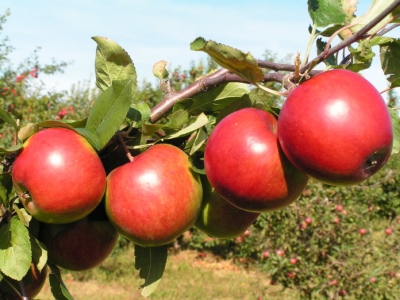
[154, 30]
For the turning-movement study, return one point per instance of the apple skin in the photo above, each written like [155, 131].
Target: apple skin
[244, 163]
[155, 198]
[80, 245]
[62, 173]
[220, 219]
[336, 128]
[33, 281]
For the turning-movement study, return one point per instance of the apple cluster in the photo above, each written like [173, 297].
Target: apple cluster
[334, 127]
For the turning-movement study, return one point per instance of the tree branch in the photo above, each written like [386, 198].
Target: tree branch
[352, 39]
[222, 76]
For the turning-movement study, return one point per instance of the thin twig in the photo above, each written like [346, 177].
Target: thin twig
[352, 39]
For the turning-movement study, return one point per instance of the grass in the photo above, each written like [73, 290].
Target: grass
[187, 276]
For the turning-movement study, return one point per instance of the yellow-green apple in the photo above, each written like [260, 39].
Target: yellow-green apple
[59, 176]
[32, 283]
[156, 197]
[245, 165]
[80, 245]
[336, 128]
[220, 219]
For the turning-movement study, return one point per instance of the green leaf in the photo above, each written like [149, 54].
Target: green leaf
[27, 130]
[57, 286]
[236, 61]
[54, 124]
[6, 117]
[39, 253]
[23, 215]
[112, 63]
[6, 187]
[175, 121]
[396, 130]
[151, 262]
[138, 113]
[15, 249]
[321, 45]
[219, 97]
[10, 150]
[200, 121]
[91, 137]
[376, 7]
[198, 142]
[390, 61]
[326, 12]
[109, 110]
[362, 56]
[159, 70]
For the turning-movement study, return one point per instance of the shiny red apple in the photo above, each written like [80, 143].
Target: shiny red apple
[80, 245]
[336, 128]
[58, 176]
[244, 163]
[156, 197]
[220, 219]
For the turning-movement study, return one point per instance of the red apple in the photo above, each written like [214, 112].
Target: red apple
[244, 163]
[362, 231]
[155, 198]
[33, 283]
[308, 221]
[80, 245]
[336, 128]
[58, 176]
[388, 231]
[218, 218]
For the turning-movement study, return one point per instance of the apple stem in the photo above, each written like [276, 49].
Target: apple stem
[121, 142]
[24, 293]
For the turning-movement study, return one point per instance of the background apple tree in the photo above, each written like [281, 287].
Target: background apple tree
[323, 244]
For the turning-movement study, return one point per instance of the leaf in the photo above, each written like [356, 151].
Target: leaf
[175, 121]
[159, 70]
[91, 137]
[26, 131]
[39, 253]
[326, 12]
[138, 113]
[15, 249]
[219, 97]
[54, 124]
[150, 261]
[236, 61]
[376, 7]
[10, 150]
[321, 45]
[396, 130]
[198, 142]
[6, 117]
[112, 63]
[390, 61]
[109, 110]
[57, 286]
[362, 56]
[201, 120]
[23, 215]
[6, 187]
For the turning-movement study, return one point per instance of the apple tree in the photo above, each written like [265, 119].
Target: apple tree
[219, 135]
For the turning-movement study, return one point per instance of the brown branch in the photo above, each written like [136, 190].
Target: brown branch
[201, 85]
